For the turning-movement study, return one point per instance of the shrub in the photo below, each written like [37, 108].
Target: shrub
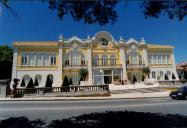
[22, 83]
[36, 82]
[30, 84]
[65, 82]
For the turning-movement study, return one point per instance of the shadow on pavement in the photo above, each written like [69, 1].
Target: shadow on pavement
[121, 119]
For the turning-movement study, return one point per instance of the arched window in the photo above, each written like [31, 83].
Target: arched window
[38, 77]
[104, 60]
[75, 57]
[26, 78]
[168, 74]
[66, 59]
[83, 60]
[112, 60]
[132, 57]
[161, 75]
[153, 74]
[140, 59]
[96, 60]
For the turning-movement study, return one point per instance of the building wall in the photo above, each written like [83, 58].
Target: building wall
[89, 48]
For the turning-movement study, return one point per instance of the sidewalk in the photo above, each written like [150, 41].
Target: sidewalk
[113, 96]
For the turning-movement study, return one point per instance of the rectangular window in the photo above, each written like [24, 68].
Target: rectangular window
[24, 60]
[53, 60]
[46, 60]
[39, 60]
[31, 60]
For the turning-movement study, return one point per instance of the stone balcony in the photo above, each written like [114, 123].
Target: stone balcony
[135, 66]
[104, 66]
[74, 66]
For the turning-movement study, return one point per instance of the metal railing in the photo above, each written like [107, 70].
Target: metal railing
[71, 91]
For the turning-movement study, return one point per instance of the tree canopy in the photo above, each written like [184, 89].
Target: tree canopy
[104, 11]
[6, 56]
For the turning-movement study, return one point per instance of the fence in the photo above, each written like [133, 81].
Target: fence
[64, 91]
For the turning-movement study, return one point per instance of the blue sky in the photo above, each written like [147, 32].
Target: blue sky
[38, 23]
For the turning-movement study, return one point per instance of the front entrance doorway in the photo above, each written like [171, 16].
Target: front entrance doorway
[107, 79]
[135, 76]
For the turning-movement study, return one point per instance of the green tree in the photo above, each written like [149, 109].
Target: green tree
[146, 71]
[134, 79]
[143, 77]
[48, 82]
[30, 84]
[65, 82]
[83, 73]
[166, 77]
[70, 81]
[22, 83]
[104, 11]
[36, 82]
[6, 57]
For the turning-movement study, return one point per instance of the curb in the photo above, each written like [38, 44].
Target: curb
[7, 100]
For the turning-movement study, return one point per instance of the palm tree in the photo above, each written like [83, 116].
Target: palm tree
[146, 71]
[83, 73]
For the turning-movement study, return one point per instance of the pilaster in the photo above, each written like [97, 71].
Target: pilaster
[123, 62]
[14, 65]
[90, 80]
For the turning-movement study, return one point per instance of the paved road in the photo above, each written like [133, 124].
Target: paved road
[50, 110]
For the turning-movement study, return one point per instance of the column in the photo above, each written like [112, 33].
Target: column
[14, 65]
[89, 57]
[60, 55]
[174, 66]
[123, 62]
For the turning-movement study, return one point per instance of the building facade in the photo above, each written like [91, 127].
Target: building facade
[106, 60]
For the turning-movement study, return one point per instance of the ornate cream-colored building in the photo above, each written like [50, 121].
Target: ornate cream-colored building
[107, 60]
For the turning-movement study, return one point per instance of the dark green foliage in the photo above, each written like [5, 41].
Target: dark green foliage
[48, 82]
[30, 84]
[22, 83]
[36, 82]
[173, 77]
[83, 73]
[65, 82]
[134, 79]
[143, 77]
[172, 8]
[104, 11]
[6, 57]
[147, 71]
[166, 77]
[81, 79]
[70, 82]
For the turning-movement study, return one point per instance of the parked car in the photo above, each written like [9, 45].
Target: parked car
[180, 93]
